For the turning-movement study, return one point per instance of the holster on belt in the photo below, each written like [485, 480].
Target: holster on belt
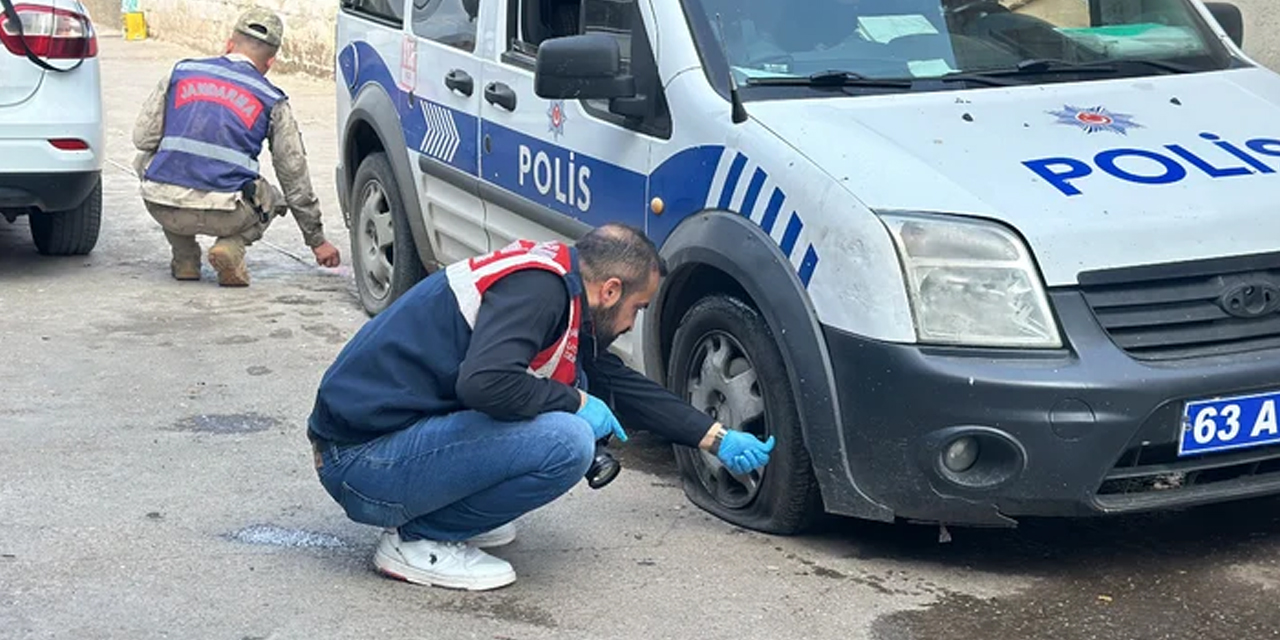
[264, 199]
[250, 193]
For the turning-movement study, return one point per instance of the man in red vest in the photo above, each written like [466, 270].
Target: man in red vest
[478, 396]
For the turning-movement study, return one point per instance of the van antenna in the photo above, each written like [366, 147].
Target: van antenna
[739, 110]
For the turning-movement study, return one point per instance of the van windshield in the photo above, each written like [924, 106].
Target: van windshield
[904, 43]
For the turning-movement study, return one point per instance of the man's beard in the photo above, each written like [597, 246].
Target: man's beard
[602, 323]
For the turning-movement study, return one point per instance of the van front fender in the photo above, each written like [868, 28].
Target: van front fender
[734, 245]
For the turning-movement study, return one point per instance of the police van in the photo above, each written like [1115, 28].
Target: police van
[968, 260]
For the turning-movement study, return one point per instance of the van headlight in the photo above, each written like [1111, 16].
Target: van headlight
[971, 283]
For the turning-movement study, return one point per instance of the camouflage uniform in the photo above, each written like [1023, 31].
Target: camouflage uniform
[184, 212]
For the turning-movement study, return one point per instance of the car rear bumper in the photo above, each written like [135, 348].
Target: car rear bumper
[46, 191]
[1086, 430]
[66, 106]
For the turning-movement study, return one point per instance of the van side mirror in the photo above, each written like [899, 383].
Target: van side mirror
[585, 67]
[1228, 15]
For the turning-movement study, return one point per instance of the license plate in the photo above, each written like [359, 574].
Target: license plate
[1229, 423]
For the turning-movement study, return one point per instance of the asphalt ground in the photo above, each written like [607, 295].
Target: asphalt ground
[155, 482]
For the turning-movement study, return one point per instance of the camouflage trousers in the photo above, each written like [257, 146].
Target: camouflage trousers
[235, 229]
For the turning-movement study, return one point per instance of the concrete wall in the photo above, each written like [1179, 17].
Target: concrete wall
[1262, 30]
[309, 32]
[205, 25]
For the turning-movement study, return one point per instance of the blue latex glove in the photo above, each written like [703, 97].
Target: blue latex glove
[743, 453]
[601, 418]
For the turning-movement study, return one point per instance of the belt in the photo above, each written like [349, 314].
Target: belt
[318, 446]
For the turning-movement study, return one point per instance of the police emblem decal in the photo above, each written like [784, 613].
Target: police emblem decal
[1095, 119]
[556, 118]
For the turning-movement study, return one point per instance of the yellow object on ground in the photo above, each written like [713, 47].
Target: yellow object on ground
[135, 26]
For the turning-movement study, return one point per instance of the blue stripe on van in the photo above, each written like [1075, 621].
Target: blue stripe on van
[808, 266]
[682, 181]
[753, 193]
[771, 213]
[789, 237]
[731, 181]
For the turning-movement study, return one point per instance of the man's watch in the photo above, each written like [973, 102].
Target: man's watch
[717, 439]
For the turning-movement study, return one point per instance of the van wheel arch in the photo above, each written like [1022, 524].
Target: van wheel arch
[719, 252]
[373, 126]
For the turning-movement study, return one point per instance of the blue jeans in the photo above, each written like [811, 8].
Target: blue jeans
[451, 477]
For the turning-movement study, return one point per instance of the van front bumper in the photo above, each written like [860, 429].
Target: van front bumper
[1086, 430]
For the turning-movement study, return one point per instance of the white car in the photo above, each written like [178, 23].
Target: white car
[51, 124]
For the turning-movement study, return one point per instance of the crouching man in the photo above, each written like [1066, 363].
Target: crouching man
[477, 397]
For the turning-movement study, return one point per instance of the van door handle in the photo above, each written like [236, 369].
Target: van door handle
[460, 81]
[500, 94]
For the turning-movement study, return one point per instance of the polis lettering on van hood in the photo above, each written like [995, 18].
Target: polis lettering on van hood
[1209, 156]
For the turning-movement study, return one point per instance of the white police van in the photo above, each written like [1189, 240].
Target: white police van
[968, 260]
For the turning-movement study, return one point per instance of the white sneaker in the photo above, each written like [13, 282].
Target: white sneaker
[455, 565]
[506, 534]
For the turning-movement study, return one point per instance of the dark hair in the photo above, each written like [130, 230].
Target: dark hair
[619, 251]
[254, 48]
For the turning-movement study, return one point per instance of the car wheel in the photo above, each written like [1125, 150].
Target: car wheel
[69, 233]
[385, 259]
[725, 362]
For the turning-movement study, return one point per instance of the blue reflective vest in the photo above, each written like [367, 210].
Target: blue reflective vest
[217, 116]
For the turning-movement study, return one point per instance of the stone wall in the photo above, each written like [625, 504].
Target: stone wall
[205, 25]
[309, 27]
[1262, 30]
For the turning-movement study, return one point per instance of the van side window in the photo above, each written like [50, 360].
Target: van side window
[388, 12]
[534, 21]
[451, 22]
[621, 20]
[614, 18]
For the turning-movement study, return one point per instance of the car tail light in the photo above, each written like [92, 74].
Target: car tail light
[50, 33]
[69, 144]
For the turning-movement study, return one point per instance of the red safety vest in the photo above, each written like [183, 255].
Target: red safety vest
[469, 279]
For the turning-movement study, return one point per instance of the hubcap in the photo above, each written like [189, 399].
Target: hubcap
[722, 382]
[377, 240]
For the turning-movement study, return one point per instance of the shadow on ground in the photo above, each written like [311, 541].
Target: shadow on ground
[1205, 573]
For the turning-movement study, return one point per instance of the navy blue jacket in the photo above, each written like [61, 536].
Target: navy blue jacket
[418, 359]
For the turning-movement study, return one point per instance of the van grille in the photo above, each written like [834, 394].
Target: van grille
[1180, 311]
[1157, 469]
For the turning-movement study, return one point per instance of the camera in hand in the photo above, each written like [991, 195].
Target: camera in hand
[604, 467]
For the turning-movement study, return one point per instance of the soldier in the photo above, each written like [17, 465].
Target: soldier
[199, 135]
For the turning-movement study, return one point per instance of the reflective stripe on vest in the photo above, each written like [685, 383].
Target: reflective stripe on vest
[211, 151]
[469, 279]
[228, 74]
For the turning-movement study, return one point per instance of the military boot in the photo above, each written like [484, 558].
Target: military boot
[227, 257]
[185, 264]
[185, 269]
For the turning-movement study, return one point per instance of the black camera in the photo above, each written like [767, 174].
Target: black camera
[604, 467]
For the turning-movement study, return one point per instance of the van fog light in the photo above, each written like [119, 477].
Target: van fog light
[971, 456]
[961, 454]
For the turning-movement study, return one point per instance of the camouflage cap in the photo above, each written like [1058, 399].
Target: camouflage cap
[262, 24]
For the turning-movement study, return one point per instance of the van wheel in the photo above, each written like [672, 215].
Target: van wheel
[384, 257]
[725, 362]
[69, 233]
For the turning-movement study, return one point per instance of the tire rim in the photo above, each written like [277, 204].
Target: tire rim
[721, 380]
[377, 240]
